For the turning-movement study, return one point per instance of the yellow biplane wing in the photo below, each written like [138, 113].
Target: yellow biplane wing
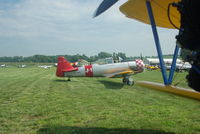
[136, 9]
[159, 13]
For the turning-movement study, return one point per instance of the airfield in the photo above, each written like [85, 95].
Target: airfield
[34, 101]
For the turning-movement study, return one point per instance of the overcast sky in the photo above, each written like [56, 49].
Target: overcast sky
[58, 27]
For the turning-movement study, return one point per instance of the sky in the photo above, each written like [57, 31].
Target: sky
[60, 27]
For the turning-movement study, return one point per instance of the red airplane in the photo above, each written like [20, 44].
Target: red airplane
[124, 70]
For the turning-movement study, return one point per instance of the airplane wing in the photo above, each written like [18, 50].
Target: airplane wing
[136, 9]
[119, 74]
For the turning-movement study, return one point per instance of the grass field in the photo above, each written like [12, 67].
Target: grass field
[34, 101]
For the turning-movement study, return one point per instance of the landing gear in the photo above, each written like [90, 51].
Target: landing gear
[127, 80]
[68, 79]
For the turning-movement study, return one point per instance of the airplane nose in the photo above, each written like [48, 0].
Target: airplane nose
[139, 65]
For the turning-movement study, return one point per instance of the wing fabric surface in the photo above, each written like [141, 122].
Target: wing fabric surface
[136, 9]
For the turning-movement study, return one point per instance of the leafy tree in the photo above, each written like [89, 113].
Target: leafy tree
[102, 55]
[71, 58]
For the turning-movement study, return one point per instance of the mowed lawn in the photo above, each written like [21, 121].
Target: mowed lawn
[34, 101]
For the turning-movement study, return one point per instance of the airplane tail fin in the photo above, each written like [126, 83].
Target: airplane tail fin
[63, 66]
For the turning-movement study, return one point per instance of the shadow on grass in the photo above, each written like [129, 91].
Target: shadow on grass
[97, 130]
[111, 84]
[61, 80]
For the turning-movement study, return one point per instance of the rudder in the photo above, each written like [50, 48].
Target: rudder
[63, 66]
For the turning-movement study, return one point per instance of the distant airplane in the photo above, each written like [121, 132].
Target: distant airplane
[45, 66]
[3, 65]
[181, 67]
[22, 66]
[124, 70]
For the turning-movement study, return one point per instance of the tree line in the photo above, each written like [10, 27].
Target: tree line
[74, 58]
[71, 58]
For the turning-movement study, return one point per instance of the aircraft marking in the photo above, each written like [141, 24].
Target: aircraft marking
[88, 71]
[139, 65]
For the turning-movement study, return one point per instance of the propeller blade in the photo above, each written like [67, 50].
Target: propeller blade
[104, 6]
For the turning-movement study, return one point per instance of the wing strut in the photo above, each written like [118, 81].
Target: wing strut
[167, 81]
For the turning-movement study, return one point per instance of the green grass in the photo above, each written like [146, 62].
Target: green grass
[155, 76]
[34, 101]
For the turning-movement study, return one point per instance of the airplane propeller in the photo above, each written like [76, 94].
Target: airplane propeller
[104, 6]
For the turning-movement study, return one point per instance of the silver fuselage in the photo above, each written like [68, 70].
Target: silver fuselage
[106, 70]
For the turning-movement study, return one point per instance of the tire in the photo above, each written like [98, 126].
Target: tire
[130, 83]
[124, 80]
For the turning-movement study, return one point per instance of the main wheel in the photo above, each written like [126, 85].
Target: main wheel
[125, 81]
[130, 83]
